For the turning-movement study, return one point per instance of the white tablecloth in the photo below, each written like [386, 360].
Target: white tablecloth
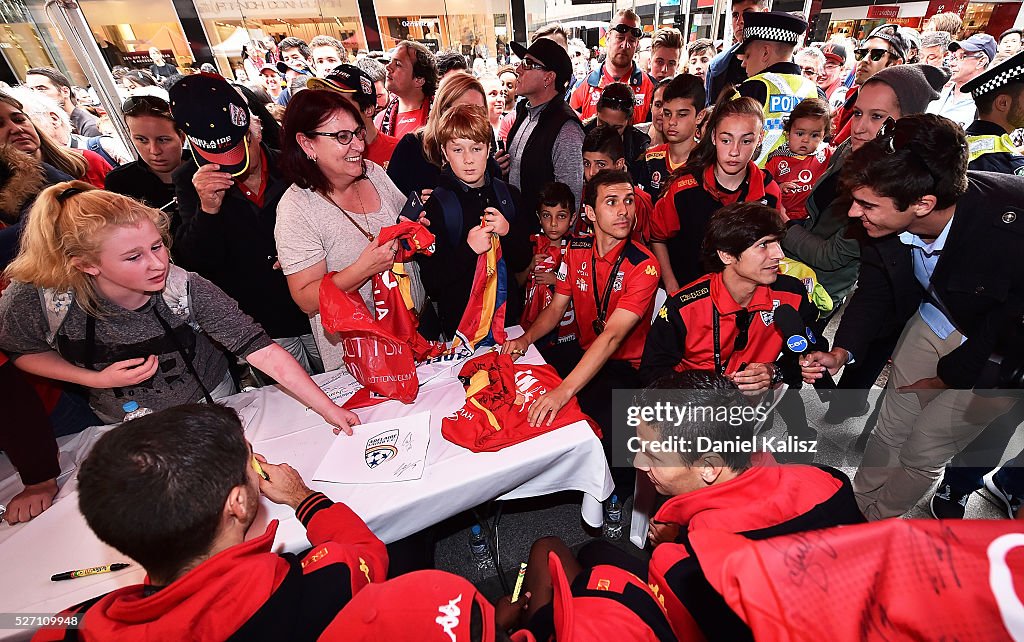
[279, 428]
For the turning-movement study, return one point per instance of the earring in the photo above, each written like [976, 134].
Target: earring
[311, 157]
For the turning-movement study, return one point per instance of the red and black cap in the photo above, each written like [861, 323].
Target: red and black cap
[215, 119]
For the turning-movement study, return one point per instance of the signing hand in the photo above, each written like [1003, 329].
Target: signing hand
[211, 185]
[342, 420]
[547, 406]
[283, 485]
[129, 372]
[31, 502]
[496, 220]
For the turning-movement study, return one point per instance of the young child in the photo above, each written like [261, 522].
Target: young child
[467, 210]
[603, 150]
[95, 301]
[798, 164]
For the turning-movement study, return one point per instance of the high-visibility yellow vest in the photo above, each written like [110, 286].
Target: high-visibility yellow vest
[988, 144]
[785, 91]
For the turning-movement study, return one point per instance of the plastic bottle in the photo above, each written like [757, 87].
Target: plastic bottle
[613, 519]
[133, 411]
[481, 553]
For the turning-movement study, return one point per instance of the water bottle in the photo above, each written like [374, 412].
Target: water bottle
[132, 410]
[481, 553]
[613, 519]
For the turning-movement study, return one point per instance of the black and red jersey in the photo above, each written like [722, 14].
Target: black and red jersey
[633, 288]
[681, 216]
[682, 334]
[658, 170]
[766, 500]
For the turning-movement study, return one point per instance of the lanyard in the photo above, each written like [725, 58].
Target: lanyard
[716, 332]
[602, 303]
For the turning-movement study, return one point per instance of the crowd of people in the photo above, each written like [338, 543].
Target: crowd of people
[880, 178]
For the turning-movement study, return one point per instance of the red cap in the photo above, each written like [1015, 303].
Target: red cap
[425, 605]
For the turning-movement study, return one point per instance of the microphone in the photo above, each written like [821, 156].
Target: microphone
[798, 339]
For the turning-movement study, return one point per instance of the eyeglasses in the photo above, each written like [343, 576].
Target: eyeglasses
[874, 54]
[626, 29]
[343, 136]
[526, 63]
[147, 103]
[615, 102]
[961, 56]
[809, 72]
[829, 66]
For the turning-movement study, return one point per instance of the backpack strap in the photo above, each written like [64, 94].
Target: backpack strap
[451, 209]
[508, 206]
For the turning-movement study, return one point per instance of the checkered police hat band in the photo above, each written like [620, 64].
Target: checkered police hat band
[1002, 78]
[771, 33]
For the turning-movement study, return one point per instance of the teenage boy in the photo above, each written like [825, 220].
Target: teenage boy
[176, 491]
[681, 101]
[725, 319]
[611, 282]
[945, 246]
[603, 149]
[713, 488]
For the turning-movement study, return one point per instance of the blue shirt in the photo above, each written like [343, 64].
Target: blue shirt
[926, 257]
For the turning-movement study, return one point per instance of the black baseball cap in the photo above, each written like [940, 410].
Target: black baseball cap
[215, 119]
[891, 34]
[550, 54]
[348, 79]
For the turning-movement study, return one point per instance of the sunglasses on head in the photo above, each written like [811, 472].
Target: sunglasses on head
[614, 102]
[874, 54]
[626, 29]
[145, 102]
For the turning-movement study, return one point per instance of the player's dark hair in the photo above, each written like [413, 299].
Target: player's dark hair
[604, 139]
[736, 227]
[688, 87]
[812, 108]
[154, 487]
[698, 390]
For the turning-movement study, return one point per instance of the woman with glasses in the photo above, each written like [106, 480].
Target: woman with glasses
[159, 143]
[329, 220]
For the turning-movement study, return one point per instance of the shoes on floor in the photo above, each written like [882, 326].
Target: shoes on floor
[1010, 503]
[947, 504]
[836, 414]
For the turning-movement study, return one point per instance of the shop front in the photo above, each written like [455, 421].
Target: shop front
[857, 22]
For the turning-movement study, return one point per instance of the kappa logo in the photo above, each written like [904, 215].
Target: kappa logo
[449, 618]
[663, 313]
[381, 448]
[650, 270]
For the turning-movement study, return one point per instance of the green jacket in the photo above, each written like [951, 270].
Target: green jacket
[822, 241]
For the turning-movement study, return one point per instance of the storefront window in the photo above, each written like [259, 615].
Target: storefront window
[28, 40]
[125, 32]
[467, 26]
[232, 26]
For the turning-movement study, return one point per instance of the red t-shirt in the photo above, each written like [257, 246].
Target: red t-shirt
[380, 150]
[584, 98]
[633, 289]
[96, 173]
[787, 167]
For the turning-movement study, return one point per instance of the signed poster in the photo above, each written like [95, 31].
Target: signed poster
[392, 450]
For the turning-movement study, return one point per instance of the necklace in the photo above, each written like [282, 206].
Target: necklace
[366, 219]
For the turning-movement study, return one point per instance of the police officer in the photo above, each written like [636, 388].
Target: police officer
[999, 96]
[774, 80]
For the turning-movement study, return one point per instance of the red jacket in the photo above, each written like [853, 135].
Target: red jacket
[248, 591]
[764, 501]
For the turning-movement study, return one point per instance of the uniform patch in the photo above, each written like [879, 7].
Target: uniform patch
[619, 278]
[650, 270]
[687, 182]
[656, 179]
[769, 317]
[380, 448]
[238, 115]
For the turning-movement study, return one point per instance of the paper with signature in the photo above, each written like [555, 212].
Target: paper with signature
[393, 450]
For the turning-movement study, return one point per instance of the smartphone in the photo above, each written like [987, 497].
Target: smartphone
[501, 146]
[412, 209]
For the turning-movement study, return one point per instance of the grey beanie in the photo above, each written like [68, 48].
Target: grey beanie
[915, 85]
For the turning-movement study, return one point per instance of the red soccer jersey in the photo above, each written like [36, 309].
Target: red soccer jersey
[804, 171]
[633, 288]
[380, 150]
[584, 98]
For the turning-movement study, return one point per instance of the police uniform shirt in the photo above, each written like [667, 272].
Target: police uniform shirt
[992, 149]
[633, 288]
[759, 91]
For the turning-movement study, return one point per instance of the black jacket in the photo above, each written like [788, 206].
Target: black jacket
[235, 249]
[448, 274]
[977, 278]
[137, 180]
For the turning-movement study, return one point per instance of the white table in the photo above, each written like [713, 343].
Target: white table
[279, 428]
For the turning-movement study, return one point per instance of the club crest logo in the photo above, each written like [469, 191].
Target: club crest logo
[381, 448]
[783, 168]
[619, 278]
[238, 116]
[769, 317]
